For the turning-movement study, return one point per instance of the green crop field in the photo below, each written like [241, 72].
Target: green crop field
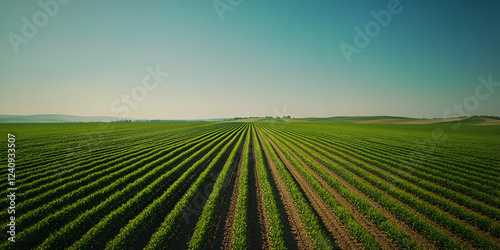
[261, 184]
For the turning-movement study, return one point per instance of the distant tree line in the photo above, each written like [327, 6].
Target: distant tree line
[266, 117]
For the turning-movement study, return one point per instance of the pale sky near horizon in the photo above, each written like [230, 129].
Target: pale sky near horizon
[265, 58]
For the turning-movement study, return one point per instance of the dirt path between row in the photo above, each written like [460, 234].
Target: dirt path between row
[300, 233]
[266, 244]
[255, 232]
[228, 227]
[224, 211]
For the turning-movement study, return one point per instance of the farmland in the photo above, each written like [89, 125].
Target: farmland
[262, 184]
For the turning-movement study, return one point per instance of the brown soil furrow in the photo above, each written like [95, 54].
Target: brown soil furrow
[475, 228]
[228, 227]
[298, 230]
[224, 205]
[254, 223]
[443, 229]
[417, 237]
[260, 204]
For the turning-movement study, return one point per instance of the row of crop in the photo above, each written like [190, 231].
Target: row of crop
[412, 219]
[398, 143]
[61, 154]
[88, 182]
[174, 179]
[421, 166]
[50, 155]
[394, 232]
[441, 164]
[69, 213]
[55, 165]
[131, 165]
[174, 217]
[442, 156]
[307, 215]
[48, 185]
[474, 219]
[207, 218]
[450, 150]
[81, 156]
[43, 205]
[47, 162]
[439, 217]
[356, 229]
[427, 169]
[239, 234]
[65, 167]
[271, 213]
[71, 146]
[167, 172]
[98, 169]
[394, 169]
[483, 223]
[425, 185]
[55, 169]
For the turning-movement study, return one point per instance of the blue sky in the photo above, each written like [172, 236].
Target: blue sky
[265, 58]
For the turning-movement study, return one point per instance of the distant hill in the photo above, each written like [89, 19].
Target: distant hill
[475, 120]
[480, 120]
[53, 118]
[56, 118]
[248, 119]
[353, 119]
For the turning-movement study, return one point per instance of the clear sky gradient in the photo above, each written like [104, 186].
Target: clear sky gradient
[265, 58]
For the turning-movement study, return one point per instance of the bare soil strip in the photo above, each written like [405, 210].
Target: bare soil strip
[490, 122]
[261, 209]
[255, 232]
[301, 236]
[228, 228]
[216, 241]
